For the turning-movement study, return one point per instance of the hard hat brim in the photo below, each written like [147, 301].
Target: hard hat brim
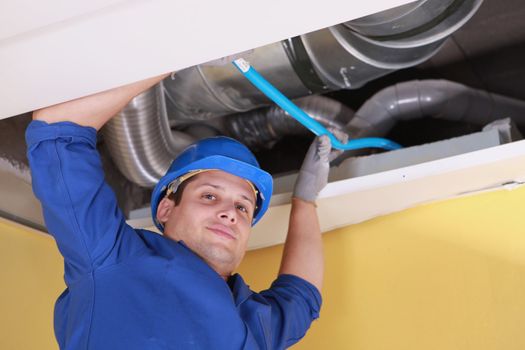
[258, 177]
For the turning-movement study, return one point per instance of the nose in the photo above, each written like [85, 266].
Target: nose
[228, 214]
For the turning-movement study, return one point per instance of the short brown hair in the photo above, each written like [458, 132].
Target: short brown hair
[177, 195]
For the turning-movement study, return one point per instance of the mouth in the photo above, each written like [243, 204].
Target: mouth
[222, 231]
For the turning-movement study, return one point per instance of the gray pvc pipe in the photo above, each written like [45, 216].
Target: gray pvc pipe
[440, 99]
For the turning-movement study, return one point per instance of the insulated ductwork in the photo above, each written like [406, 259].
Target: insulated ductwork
[343, 56]
[433, 98]
[264, 126]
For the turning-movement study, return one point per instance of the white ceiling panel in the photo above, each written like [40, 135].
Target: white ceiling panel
[60, 50]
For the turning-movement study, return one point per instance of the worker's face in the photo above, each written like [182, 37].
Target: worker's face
[213, 218]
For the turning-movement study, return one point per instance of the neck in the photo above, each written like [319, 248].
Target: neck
[221, 272]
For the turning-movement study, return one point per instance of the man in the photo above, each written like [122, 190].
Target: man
[133, 289]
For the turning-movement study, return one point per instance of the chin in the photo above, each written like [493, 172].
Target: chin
[216, 255]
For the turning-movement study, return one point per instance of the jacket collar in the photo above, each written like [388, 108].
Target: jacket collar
[240, 290]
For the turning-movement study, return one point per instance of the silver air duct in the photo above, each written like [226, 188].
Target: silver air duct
[343, 56]
[140, 140]
[351, 54]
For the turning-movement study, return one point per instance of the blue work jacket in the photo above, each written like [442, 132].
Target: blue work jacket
[134, 289]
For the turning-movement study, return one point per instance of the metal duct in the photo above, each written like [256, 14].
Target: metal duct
[140, 140]
[345, 56]
[264, 126]
[433, 98]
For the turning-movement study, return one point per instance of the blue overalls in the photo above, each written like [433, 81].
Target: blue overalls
[134, 289]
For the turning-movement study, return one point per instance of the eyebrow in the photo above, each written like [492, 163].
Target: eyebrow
[223, 189]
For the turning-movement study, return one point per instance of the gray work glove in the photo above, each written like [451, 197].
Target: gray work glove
[313, 175]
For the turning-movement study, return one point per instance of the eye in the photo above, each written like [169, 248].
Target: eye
[209, 196]
[242, 208]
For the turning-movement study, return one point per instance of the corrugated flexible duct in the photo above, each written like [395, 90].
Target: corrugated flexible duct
[140, 140]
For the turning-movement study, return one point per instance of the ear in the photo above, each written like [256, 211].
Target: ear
[164, 210]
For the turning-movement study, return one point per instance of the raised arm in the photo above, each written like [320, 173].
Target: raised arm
[303, 250]
[80, 209]
[95, 110]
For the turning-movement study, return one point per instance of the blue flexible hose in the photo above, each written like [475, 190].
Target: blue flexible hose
[297, 113]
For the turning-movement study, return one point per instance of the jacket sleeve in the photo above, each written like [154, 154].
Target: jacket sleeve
[80, 209]
[295, 303]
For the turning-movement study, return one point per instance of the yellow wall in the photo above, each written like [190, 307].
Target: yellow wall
[450, 275]
[31, 279]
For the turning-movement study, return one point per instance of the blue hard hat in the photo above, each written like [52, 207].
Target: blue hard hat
[217, 153]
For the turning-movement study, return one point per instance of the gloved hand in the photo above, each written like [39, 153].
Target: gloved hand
[313, 175]
[228, 59]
